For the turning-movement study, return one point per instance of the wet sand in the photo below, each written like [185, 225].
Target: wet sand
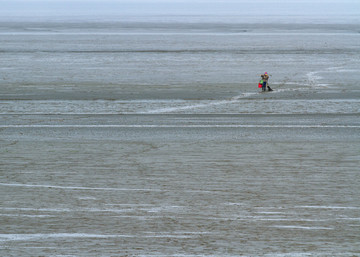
[162, 185]
[152, 139]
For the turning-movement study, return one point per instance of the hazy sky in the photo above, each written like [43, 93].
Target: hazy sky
[182, 7]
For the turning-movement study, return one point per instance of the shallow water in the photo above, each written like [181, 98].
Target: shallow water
[152, 139]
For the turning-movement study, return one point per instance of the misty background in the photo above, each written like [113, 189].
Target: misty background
[260, 10]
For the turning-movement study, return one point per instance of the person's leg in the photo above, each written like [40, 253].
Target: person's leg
[264, 86]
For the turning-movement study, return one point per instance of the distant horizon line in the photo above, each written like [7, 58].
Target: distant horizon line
[194, 18]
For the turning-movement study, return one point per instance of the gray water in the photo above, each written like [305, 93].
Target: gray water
[148, 136]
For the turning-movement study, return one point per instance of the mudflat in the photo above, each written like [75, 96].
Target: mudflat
[160, 144]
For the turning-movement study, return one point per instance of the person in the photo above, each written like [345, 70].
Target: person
[265, 78]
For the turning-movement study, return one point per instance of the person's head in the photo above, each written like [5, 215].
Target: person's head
[265, 73]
